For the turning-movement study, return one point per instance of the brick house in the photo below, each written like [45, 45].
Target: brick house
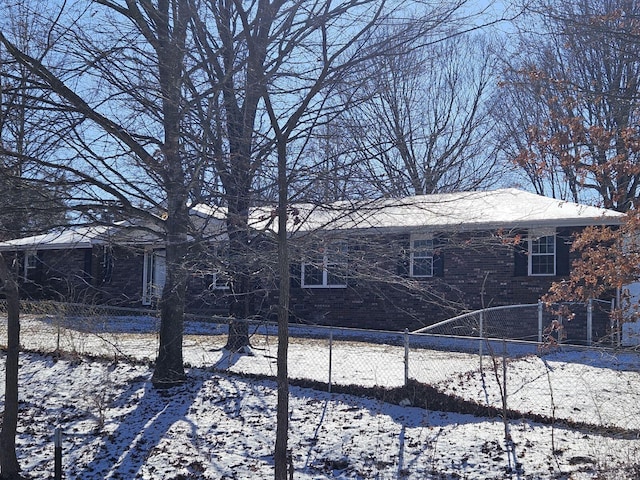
[386, 264]
[415, 261]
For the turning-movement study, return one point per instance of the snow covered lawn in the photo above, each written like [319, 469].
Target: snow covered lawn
[221, 425]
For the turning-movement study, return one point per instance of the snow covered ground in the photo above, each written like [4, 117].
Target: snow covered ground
[220, 425]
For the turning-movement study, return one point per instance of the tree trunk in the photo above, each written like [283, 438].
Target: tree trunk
[238, 337]
[169, 369]
[9, 468]
[240, 301]
[172, 29]
[240, 309]
[282, 413]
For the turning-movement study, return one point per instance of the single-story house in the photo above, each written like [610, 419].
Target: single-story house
[385, 264]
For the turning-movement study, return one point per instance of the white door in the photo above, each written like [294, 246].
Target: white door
[154, 276]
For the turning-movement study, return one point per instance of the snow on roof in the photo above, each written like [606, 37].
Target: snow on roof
[80, 237]
[504, 208]
[121, 233]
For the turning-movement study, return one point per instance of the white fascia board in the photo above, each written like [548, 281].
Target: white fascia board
[472, 227]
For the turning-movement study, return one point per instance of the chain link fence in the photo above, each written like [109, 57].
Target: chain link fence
[570, 323]
[468, 358]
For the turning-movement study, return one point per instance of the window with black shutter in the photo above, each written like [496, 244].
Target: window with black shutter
[542, 255]
[421, 256]
[543, 252]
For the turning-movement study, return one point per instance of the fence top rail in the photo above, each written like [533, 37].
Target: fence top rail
[471, 314]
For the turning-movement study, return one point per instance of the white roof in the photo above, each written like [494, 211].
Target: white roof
[120, 233]
[80, 237]
[136, 232]
[505, 208]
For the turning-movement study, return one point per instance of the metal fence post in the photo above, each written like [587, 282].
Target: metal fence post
[57, 454]
[505, 416]
[589, 321]
[330, 356]
[612, 322]
[406, 357]
[58, 328]
[618, 318]
[539, 321]
[481, 335]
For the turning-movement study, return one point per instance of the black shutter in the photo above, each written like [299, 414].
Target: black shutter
[563, 245]
[521, 257]
[107, 264]
[21, 257]
[404, 258]
[88, 260]
[39, 270]
[438, 258]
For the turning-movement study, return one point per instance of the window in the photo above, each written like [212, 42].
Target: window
[216, 272]
[154, 276]
[217, 280]
[31, 262]
[421, 263]
[326, 268]
[544, 252]
[542, 255]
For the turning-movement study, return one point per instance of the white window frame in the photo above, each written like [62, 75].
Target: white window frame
[327, 252]
[417, 254]
[537, 236]
[215, 275]
[30, 263]
[154, 276]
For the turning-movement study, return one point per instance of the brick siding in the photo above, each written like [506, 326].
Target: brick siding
[477, 270]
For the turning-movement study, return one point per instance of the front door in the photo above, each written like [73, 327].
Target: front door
[154, 276]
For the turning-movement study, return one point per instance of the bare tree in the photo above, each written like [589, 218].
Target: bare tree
[31, 202]
[421, 124]
[573, 90]
[314, 88]
[114, 147]
[9, 467]
[273, 46]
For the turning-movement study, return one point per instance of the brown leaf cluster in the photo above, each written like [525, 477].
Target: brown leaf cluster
[607, 259]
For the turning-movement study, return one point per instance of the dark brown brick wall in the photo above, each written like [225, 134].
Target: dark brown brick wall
[118, 279]
[58, 275]
[479, 271]
[83, 275]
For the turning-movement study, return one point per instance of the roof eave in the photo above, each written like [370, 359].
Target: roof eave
[476, 226]
[45, 246]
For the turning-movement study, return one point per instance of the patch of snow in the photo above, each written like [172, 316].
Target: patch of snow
[219, 425]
